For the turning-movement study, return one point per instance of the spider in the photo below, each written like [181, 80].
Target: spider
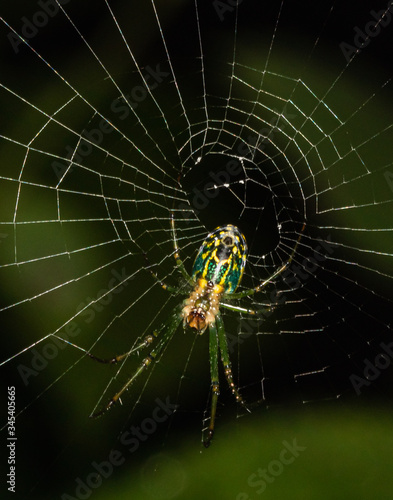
[215, 276]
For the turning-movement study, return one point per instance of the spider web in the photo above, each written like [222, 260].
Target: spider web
[118, 116]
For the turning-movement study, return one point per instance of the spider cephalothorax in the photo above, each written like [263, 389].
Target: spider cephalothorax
[202, 305]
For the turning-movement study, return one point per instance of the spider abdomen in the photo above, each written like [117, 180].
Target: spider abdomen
[221, 258]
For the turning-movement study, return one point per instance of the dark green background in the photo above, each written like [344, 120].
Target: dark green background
[347, 440]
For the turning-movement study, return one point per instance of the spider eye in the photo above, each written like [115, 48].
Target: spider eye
[228, 241]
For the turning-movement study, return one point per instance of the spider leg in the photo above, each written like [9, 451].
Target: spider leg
[179, 264]
[245, 310]
[276, 273]
[213, 351]
[145, 342]
[169, 327]
[218, 339]
[223, 343]
[166, 287]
